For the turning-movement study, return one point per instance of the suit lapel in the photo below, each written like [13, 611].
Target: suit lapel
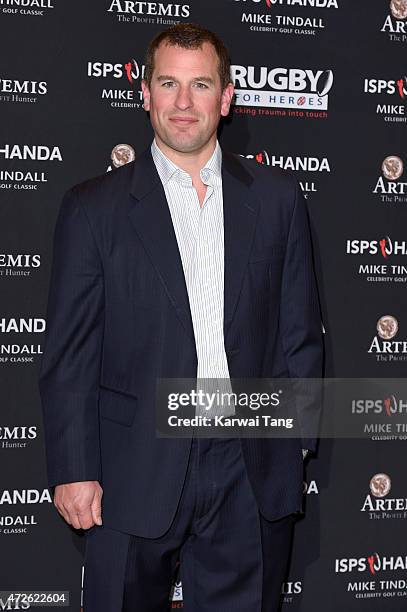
[240, 208]
[150, 217]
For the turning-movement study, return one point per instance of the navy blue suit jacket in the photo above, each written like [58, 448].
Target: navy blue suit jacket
[118, 318]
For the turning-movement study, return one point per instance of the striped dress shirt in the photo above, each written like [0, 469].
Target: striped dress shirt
[200, 238]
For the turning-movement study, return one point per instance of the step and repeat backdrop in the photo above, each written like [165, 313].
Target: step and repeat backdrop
[321, 90]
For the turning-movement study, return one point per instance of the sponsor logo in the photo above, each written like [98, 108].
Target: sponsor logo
[31, 152]
[306, 165]
[169, 13]
[22, 92]
[388, 406]
[291, 92]
[384, 246]
[19, 353]
[394, 111]
[24, 496]
[380, 485]
[383, 345]
[31, 8]
[271, 16]
[373, 571]
[290, 591]
[19, 264]
[389, 187]
[373, 564]
[130, 70]
[18, 176]
[17, 436]
[384, 249]
[378, 505]
[22, 325]
[305, 3]
[392, 167]
[388, 412]
[20, 524]
[395, 24]
[387, 327]
[396, 87]
[121, 155]
[13, 525]
[126, 77]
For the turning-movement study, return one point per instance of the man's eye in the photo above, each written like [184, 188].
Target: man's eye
[168, 84]
[202, 85]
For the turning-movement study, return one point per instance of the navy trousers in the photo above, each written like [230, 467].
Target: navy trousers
[230, 558]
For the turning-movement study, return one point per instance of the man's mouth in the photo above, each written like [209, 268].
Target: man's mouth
[183, 120]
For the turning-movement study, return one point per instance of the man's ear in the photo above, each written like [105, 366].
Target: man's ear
[227, 97]
[146, 95]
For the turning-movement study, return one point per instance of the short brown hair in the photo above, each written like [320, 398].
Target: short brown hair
[188, 36]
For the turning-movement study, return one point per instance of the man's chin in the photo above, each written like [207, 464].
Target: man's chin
[184, 145]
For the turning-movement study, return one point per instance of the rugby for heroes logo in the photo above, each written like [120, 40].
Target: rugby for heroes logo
[281, 87]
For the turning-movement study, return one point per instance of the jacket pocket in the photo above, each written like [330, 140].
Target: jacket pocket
[117, 406]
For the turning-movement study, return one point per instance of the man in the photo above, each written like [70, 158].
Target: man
[189, 262]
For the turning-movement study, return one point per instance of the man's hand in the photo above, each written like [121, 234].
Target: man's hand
[80, 503]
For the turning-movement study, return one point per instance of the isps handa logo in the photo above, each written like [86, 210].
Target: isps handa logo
[390, 186]
[309, 168]
[126, 76]
[395, 24]
[383, 346]
[390, 109]
[282, 92]
[373, 564]
[378, 504]
[390, 259]
[381, 419]
[384, 246]
[378, 576]
[23, 165]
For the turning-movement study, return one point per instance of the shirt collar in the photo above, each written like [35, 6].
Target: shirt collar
[211, 173]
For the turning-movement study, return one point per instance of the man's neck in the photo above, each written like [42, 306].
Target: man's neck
[191, 162]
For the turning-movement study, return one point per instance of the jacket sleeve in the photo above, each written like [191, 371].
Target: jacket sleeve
[300, 322]
[70, 366]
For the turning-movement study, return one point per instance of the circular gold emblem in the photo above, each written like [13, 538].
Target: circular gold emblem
[122, 154]
[392, 167]
[387, 327]
[398, 9]
[380, 485]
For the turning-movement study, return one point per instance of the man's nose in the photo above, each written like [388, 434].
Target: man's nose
[184, 98]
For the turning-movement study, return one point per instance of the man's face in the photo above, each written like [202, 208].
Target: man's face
[185, 98]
